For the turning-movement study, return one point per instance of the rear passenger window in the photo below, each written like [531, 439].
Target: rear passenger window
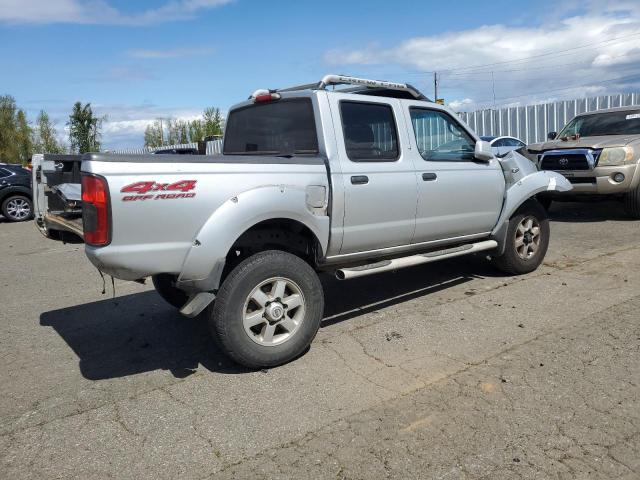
[369, 132]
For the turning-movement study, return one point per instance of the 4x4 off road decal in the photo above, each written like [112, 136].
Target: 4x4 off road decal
[143, 190]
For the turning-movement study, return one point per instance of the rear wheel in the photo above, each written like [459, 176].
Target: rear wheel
[165, 285]
[527, 240]
[268, 309]
[17, 208]
[632, 203]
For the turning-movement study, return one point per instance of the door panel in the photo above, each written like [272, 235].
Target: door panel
[458, 196]
[380, 191]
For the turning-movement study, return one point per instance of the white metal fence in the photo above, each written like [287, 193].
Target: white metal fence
[214, 146]
[532, 123]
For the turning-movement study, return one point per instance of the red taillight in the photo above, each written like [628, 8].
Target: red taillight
[95, 210]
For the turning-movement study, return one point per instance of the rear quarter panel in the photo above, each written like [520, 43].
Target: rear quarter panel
[156, 234]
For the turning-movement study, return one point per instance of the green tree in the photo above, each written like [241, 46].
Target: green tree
[153, 135]
[196, 130]
[44, 135]
[84, 129]
[178, 132]
[9, 149]
[23, 137]
[213, 122]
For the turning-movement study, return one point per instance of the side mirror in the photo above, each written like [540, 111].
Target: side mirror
[483, 151]
[552, 135]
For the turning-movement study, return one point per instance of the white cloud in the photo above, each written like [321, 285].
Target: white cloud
[529, 63]
[98, 11]
[170, 53]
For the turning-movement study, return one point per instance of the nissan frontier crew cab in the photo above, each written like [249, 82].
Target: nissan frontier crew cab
[364, 178]
[599, 153]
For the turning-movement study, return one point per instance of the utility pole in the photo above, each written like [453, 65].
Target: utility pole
[493, 87]
[435, 86]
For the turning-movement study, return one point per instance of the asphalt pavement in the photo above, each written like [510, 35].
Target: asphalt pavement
[448, 371]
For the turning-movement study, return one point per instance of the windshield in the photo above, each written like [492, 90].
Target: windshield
[284, 127]
[614, 123]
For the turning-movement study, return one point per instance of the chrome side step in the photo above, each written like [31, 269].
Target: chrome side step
[410, 261]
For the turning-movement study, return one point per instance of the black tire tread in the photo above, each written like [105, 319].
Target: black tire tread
[632, 203]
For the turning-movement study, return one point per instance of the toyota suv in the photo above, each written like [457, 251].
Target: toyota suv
[599, 153]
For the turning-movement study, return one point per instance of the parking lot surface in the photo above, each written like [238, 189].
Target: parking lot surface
[447, 371]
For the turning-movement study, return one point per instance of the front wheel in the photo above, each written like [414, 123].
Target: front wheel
[268, 309]
[527, 240]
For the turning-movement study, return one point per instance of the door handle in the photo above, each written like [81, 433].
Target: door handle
[359, 180]
[429, 177]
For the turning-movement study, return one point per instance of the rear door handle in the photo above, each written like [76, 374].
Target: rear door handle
[429, 177]
[359, 180]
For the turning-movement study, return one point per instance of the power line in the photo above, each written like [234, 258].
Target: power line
[555, 53]
[628, 77]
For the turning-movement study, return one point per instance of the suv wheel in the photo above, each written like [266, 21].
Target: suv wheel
[17, 208]
[165, 285]
[527, 240]
[268, 309]
[632, 203]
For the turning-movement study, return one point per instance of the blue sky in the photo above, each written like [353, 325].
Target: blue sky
[135, 61]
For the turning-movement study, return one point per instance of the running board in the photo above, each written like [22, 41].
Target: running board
[410, 261]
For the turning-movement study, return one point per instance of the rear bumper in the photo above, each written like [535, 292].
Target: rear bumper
[133, 262]
[600, 180]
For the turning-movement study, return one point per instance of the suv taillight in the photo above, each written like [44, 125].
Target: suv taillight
[96, 221]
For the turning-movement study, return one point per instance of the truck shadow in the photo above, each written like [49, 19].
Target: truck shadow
[140, 333]
[588, 211]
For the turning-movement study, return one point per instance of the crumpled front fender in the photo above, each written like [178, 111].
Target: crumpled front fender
[527, 187]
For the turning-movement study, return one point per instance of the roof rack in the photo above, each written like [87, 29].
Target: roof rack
[328, 80]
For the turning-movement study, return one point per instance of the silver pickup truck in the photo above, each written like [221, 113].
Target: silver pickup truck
[356, 180]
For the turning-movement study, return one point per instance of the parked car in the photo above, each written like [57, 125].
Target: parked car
[15, 193]
[599, 152]
[355, 181]
[503, 145]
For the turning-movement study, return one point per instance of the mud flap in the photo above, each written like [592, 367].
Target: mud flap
[197, 303]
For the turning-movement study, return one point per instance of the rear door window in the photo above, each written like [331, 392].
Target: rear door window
[282, 127]
[370, 133]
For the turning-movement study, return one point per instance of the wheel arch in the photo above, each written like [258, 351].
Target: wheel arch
[15, 190]
[238, 219]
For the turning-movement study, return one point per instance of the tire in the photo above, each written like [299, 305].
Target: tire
[632, 203]
[17, 208]
[525, 249]
[268, 310]
[164, 284]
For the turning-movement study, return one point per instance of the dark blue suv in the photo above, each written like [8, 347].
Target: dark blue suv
[15, 193]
